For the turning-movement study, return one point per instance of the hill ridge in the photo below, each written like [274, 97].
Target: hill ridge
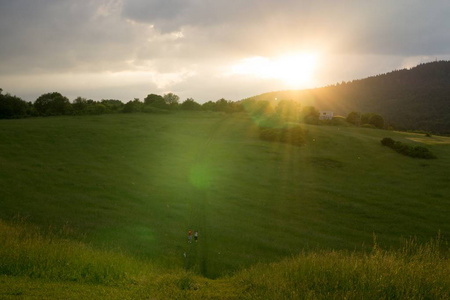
[417, 98]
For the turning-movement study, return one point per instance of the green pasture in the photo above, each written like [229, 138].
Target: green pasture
[135, 183]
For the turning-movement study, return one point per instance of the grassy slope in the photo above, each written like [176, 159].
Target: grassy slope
[37, 266]
[138, 182]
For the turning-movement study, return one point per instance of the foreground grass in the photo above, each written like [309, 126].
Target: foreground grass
[413, 272]
[42, 266]
[25, 251]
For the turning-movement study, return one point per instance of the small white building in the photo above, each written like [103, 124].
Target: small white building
[326, 115]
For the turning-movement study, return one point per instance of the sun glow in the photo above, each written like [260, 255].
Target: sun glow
[294, 70]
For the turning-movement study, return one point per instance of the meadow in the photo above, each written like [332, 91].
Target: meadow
[114, 195]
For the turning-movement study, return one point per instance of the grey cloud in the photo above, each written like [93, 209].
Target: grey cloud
[60, 35]
[404, 28]
[166, 13]
[49, 35]
[56, 36]
[172, 15]
[382, 27]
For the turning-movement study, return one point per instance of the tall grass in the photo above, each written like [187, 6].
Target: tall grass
[26, 251]
[415, 271]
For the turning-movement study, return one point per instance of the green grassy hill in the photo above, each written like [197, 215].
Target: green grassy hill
[132, 185]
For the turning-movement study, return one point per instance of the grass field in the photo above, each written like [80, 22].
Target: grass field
[133, 185]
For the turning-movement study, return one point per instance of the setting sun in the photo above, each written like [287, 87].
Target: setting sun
[294, 70]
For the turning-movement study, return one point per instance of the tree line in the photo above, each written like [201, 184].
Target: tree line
[266, 113]
[275, 113]
[55, 104]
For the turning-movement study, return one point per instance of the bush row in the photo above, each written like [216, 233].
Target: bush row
[408, 150]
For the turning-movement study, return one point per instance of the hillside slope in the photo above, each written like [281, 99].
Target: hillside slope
[138, 182]
[416, 98]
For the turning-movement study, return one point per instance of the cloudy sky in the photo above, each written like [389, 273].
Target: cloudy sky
[210, 49]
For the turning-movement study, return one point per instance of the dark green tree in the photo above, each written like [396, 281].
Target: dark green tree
[209, 106]
[377, 121]
[221, 105]
[365, 118]
[52, 104]
[79, 106]
[172, 100]
[354, 118]
[156, 101]
[112, 105]
[310, 115]
[190, 104]
[153, 98]
[12, 107]
[235, 106]
[133, 106]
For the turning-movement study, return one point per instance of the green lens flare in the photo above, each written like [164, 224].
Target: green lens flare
[200, 176]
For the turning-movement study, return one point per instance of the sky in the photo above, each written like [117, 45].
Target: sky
[210, 49]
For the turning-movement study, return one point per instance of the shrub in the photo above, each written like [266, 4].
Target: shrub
[422, 152]
[377, 121]
[416, 152]
[354, 118]
[388, 142]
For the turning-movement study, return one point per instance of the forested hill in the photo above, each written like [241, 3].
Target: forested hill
[416, 98]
